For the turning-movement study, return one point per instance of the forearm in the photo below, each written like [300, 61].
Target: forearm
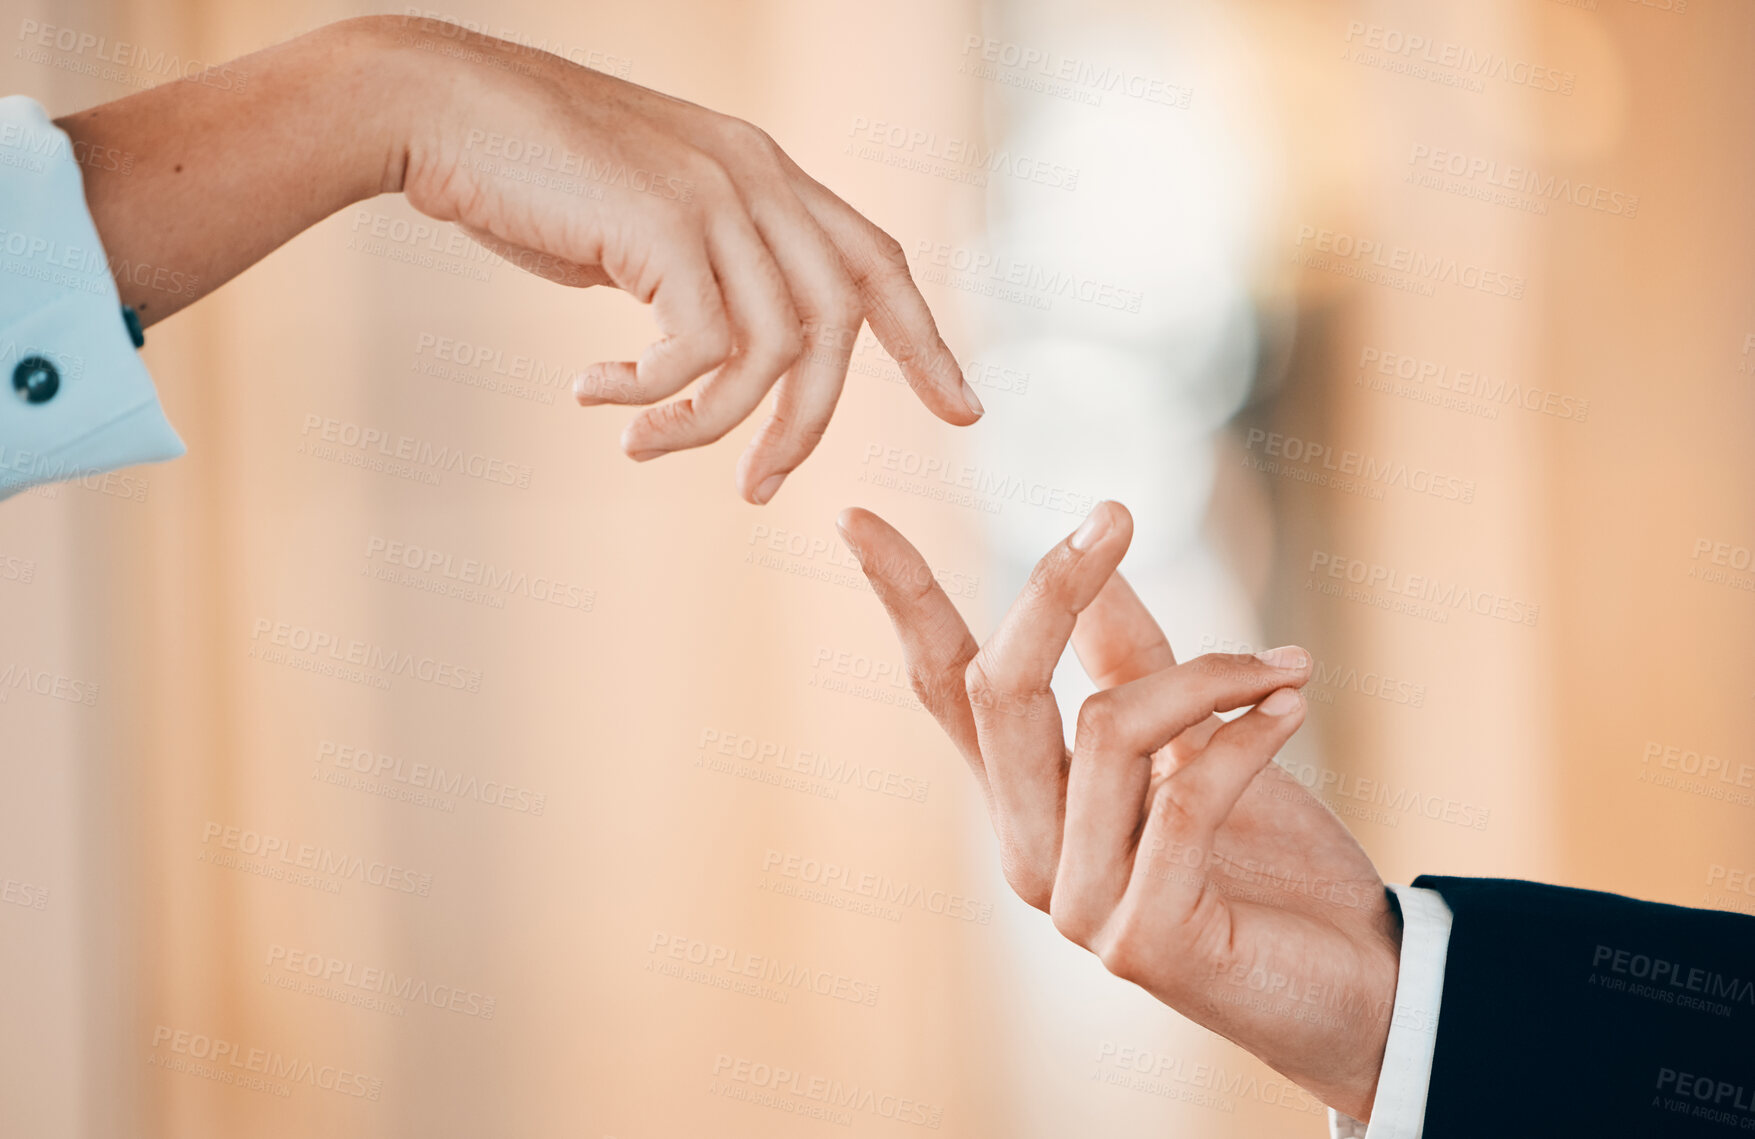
[222, 176]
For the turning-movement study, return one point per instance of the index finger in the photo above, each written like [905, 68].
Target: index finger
[898, 314]
[936, 643]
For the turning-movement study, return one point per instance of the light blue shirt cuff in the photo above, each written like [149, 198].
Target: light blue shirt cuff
[58, 302]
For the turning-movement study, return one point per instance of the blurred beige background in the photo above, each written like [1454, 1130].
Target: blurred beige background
[539, 897]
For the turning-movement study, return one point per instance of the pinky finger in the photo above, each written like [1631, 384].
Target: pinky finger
[1208, 786]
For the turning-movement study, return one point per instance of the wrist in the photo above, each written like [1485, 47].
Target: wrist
[417, 72]
[1383, 970]
[378, 74]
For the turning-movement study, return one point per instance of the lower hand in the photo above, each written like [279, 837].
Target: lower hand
[1166, 840]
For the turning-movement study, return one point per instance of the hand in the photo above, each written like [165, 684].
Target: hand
[755, 270]
[1166, 841]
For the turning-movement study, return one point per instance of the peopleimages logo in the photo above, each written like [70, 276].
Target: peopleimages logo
[963, 160]
[86, 267]
[287, 965]
[52, 144]
[231, 1062]
[342, 436]
[1356, 464]
[836, 880]
[42, 682]
[1464, 61]
[38, 39]
[771, 977]
[467, 578]
[1490, 172]
[317, 650]
[1467, 389]
[1205, 1084]
[830, 1093]
[1064, 76]
[429, 777]
[1712, 1095]
[1677, 975]
[272, 853]
[1416, 266]
[1337, 677]
[833, 772]
[993, 274]
[1441, 597]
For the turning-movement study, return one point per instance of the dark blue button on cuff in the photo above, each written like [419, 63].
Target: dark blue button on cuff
[135, 332]
[36, 380]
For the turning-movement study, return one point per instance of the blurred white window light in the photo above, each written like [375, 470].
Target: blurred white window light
[1119, 404]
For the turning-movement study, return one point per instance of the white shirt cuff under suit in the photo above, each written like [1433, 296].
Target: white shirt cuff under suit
[1399, 1111]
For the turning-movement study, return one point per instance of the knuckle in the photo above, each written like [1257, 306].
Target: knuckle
[678, 417]
[830, 338]
[886, 263]
[1170, 810]
[1070, 918]
[775, 345]
[790, 438]
[1210, 664]
[1066, 916]
[890, 254]
[748, 138]
[977, 680]
[716, 342]
[835, 317]
[928, 684]
[984, 694]
[1028, 883]
[804, 439]
[614, 385]
[788, 341]
[1214, 671]
[1120, 948]
[709, 177]
[841, 311]
[1042, 582]
[1099, 721]
[1120, 956]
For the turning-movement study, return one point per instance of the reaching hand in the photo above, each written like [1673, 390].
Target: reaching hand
[1166, 841]
[753, 267]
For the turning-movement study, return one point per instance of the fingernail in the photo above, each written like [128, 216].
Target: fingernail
[582, 390]
[1282, 702]
[642, 456]
[769, 487]
[1286, 656]
[970, 398]
[846, 538]
[1091, 530]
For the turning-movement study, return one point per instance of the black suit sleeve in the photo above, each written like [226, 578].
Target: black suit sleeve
[1569, 1012]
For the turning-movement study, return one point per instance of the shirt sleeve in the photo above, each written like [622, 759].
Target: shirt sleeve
[1399, 1111]
[77, 400]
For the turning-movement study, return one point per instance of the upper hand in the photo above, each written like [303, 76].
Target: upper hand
[1166, 840]
[754, 269]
